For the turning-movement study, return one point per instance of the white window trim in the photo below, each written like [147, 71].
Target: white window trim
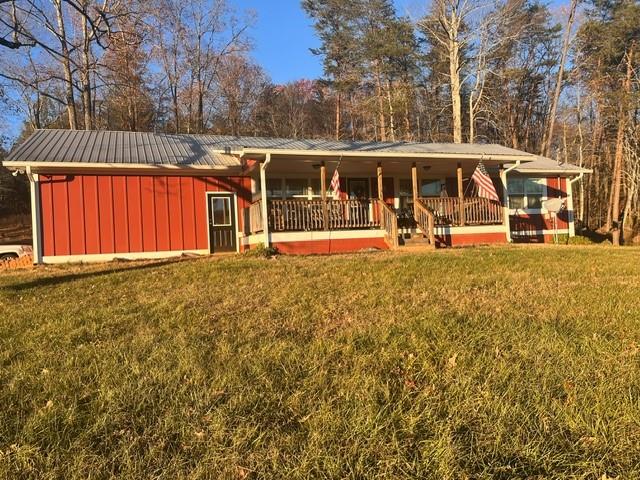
[530, 211]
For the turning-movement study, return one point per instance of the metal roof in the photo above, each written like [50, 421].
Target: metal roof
[548, 165]
[161, 149]
[133, 148]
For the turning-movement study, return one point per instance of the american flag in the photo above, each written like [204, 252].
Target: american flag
[335, 184]
[484, 183]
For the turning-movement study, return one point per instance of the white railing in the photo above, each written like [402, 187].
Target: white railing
[314, 215]
[475, 211]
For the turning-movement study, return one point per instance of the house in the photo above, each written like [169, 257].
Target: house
[99, 195]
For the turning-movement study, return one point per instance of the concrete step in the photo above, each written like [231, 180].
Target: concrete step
[415, 239]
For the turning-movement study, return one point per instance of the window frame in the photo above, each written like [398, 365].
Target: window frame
[227, 211]
[542, 181]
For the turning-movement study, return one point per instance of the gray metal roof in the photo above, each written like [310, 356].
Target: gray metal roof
[137, 148]
[544, 164]
[258, 143]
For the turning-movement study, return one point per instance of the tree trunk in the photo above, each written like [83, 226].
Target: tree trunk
[454, 72]
[392, 128]
[381, 116]
[618, 168]
[548, 138]
[407, 119]
[338, 120]
[86, 72]
[580, 158]
[66, 67]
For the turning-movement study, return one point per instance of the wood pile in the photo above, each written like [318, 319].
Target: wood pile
[25, 261]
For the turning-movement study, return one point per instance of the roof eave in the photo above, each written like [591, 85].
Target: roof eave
[374, 154]
[36, 166]
[569, 171]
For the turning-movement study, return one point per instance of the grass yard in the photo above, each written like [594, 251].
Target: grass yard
[476, 363]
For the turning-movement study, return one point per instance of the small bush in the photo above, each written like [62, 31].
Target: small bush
[261, 251]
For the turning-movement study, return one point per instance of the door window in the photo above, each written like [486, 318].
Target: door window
[221, 208]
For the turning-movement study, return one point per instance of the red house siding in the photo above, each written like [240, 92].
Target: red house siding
[103, 214]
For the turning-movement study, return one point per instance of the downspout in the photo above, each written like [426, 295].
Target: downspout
[572, 217]
[263, 193]
[505, 196]
[36, 234]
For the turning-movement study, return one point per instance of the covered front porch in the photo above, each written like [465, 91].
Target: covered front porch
[404, 198]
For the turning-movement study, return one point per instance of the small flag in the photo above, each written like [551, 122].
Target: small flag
[486, 189]
[335, 185]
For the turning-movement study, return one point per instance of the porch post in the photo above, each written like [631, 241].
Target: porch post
[570, 212]
[34, 183]
[380, 193]
[323, 193]
[379, 175]
[263, 193]
[460, 193]
[414, 181]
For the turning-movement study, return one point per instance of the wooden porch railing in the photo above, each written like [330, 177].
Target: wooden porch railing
[309, 215]
[425, 219]
[477, 211]
[389, 221]
[255, 217]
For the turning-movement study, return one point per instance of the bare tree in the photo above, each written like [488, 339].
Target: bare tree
[546, 145]
[446, 27]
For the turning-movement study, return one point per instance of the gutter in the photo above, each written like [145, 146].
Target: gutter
[36, 234]
[512, 167]
[395, 155]
[505, 196]
[578, 178]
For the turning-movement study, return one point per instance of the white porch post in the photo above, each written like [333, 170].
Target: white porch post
[570, 213]
[505, 198]
[36, 234]
[263, 193]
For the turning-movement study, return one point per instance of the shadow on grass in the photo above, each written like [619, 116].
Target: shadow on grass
[116, 267]
[594, 236]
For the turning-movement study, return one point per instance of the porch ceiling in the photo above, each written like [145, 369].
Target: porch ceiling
[366, 167]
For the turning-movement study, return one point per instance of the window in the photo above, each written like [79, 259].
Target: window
[525, 193]
[405, 188]
[315, 188]
[274, 187]
[221, 207]
[430, 188]
[296, 187]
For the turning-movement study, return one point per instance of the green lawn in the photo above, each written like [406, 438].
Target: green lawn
[475, 363]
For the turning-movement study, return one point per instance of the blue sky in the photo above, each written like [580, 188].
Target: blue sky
[283, 35]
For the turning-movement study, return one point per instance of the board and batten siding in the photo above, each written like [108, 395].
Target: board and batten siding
[106, 214]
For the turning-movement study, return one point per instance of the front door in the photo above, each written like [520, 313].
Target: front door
[222, 222]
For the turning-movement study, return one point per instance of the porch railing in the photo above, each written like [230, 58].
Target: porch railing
[255, 217]
[309, 215]
[475, 211]
[389, 221]
[425, 219]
